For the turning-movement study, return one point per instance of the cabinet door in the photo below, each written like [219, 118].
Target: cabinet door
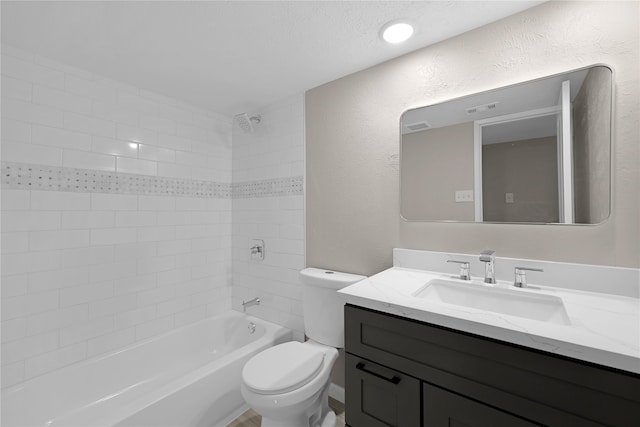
[446, 409]
[376, 396]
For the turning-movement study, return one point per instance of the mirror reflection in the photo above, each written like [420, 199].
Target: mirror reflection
[535, 152]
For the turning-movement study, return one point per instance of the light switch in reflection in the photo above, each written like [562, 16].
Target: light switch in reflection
[464, 196]
[508, 197]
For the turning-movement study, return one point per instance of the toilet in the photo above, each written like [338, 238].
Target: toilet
[288, 384]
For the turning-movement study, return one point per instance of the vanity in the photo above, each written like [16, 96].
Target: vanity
[427, 346]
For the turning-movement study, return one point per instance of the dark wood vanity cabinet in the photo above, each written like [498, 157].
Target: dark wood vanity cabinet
[402, 372]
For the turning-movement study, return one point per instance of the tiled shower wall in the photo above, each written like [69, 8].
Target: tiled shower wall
[273, 157]
[116, 215]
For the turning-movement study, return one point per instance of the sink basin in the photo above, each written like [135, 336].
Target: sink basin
[544, 308]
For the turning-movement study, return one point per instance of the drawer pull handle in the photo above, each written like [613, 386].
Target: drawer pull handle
[394, 379]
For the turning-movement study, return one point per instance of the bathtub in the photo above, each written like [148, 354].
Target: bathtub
[187, 377]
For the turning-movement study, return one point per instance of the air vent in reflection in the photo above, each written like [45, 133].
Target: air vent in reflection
[416, 127]
[481, 108]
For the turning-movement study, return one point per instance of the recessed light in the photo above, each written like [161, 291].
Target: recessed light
[396, 32]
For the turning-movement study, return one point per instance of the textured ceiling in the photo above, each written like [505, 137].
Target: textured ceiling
[233, 56]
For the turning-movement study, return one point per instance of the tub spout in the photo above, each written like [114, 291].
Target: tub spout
[249, 303]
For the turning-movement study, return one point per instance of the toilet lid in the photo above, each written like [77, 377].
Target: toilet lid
[282, 368]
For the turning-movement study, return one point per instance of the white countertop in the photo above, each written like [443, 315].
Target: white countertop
[603, 329]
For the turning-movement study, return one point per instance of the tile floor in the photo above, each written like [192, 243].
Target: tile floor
[251, 419]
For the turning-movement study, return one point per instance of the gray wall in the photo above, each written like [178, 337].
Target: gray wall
[426, 158]
[352, 140]
[591, 164]
[529, 170]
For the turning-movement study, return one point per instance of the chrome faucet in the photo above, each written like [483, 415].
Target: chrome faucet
[464, 269]
[489, 258]
[245, 304]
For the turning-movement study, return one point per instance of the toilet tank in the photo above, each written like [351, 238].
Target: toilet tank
[323, 306]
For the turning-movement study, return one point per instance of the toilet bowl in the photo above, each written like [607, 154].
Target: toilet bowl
[288, 384]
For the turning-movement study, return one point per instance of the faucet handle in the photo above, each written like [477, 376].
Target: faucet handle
[521, 276]
[464, 269]
[487, 255]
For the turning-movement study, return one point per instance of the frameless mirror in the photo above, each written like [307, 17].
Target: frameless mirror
[534, 152]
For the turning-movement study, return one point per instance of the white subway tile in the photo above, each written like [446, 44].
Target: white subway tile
[88, 219]
[102, 272]
[155, 327]
[67, 69]
[25, 305]
[155, 296]
[56, 279]
[85, 293]
[58, 239]
[16, 89]
[191, 204]
[174, 306]
[174, 276]
[16, 131]
[15, 199]
[156, 234]
[133, 219]
[56, 137]
[156, 203]
[114, 147]
[86, 160]
[30, 220]
[91, 125]
[173, 247]
[27, 153]
[136, 166]
[156, 264]
[114, 113]
[62, 100]
[174, 171]
[150, 152]
[14, 329]
[14, 242]
[23, 348]
[112, 306]
[90, 89]
[31, 72]
[116, 202]
[135, 252]
[157, 124]
[174, 218]
[136, 134]
[86, 256]
[136, 283]
[53, 360]
[190, 316]
[59, 201]
[86, 330]
[29, 262]
[130, 100]
[174, 142]
[56, 319]
[191, 159]
[12, 373]
[109, 342]
[14, 285]
[113, 236]
[31, 113]
[135, 317]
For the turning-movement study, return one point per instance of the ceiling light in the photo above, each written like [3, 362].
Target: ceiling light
[396, 32]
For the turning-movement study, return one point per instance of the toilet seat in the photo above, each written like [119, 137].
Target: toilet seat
[283, 368]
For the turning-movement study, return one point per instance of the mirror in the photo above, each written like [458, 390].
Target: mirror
[535, 152]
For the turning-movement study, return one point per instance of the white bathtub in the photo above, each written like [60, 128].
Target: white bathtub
[186, 377]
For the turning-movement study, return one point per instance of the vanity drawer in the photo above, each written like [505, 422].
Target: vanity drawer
[378, 396]
[550, 389]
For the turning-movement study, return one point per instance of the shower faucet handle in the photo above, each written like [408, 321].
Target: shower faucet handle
[464, 269]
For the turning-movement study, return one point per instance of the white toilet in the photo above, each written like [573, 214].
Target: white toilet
[288, 384]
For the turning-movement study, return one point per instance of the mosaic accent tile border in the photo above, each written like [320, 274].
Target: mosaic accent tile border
[22, 176]
[290, 186]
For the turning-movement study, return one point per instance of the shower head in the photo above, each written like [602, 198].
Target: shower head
[246, 123]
